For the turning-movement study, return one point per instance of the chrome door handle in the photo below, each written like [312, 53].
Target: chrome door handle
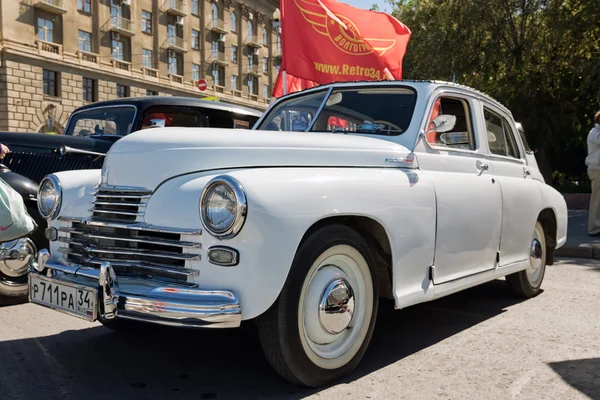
[482, 167]
[526, 172]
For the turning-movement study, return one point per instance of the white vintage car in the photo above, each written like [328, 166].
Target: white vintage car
[341, 195]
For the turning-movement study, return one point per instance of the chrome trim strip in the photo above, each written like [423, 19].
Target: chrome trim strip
[120, 196]
[118, 203]
[139, 226]
[165, 304]
[131, 252]
[185, 272]
[132, 214]
[136, 239]
[316, 116]
[133, 189]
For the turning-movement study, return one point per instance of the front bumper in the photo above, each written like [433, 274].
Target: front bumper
[146, 300]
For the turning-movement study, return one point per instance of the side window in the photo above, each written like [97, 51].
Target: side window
[158, 117]
[500, 136]
[461, 136]
[513, 149]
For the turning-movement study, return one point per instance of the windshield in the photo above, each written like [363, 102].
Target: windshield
[102, 121]
[378, 111]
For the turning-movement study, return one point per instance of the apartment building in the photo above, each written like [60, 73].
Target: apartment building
[57, 55]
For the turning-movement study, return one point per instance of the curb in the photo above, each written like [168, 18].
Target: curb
[592, 252]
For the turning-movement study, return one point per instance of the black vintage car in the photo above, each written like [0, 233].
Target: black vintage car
[89, 133]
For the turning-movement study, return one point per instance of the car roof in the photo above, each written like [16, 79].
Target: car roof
[414, 83]
[149, 101]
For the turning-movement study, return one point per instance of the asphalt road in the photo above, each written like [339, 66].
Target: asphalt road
[481, 343]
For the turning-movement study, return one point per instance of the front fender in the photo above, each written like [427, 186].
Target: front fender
[283, 203]
[554, 200]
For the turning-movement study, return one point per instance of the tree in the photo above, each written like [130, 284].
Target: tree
[541, 58]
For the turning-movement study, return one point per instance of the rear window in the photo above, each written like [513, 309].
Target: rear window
[116, 120]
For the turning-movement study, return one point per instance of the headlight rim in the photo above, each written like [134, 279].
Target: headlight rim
[241, 206]
[59, 195]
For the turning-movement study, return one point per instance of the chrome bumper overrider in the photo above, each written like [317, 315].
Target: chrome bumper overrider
[146, 300]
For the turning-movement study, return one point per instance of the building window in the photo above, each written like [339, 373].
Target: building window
[277, 68]
[215, 75]
[234, 82]
[214, 13]
[233, 22]
[234, 54]
[84, 5]
[265, 65]
[147, 58]
[215, 49]
[252, 85]
[89, 90]
[195, 72]
[146, 22]
[195, 39]
[122, 91]
[85, 41]
[50, 83]
[175, 63]
[195, 8]
[117, 52]
[151, 93]
[250, 60]
[266, 91]
[265, 38]
[278, 41]
[45, 29]
[250, 30]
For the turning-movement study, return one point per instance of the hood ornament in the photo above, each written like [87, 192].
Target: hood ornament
[104, 174]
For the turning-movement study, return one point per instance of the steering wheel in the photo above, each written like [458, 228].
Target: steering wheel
[388, 124]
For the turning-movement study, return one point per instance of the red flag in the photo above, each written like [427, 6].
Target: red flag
[293, 84]
[330, 41]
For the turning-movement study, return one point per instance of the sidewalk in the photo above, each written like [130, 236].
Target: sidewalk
[579, 244]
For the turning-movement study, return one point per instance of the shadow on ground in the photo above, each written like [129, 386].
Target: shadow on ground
[96, 363]
[583, 375]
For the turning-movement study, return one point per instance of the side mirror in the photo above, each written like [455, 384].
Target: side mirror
[443, 123]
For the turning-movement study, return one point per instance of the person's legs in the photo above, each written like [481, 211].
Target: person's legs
[594, 217]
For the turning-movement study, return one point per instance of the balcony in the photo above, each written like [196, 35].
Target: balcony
[51, 6]
[178, 79]
[150, 73]
[219, 59]
[122, 25]
[121, 66]
[254, 70]
[252, 41]
[175, 43]
[175, 7]
[49, 49]
[218, 26]
[87, 57]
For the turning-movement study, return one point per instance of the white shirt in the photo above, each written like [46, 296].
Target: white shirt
[593, 145]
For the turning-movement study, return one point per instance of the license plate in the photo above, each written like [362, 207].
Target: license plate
[73, 299]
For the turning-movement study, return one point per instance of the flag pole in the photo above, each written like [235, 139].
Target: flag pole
[284, 82]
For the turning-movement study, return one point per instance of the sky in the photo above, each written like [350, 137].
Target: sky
[366, 4]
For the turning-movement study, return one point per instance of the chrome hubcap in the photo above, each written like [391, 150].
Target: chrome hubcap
[536, 257]
[15, 257]
[336, 307]
[536, 253]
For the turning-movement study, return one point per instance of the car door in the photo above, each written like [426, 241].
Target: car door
[521, 198]
[468, 198]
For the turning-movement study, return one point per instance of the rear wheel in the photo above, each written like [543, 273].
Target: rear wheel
[319, 328]
[527, 283]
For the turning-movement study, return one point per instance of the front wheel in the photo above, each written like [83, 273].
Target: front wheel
[319, 328]
[527, 283]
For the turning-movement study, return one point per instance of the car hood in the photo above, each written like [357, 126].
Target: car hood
[148, 158]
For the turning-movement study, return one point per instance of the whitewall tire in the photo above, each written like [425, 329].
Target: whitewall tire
[527, 283]
[320, 327]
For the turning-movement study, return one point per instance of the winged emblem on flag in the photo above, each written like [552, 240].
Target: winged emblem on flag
[341, 30]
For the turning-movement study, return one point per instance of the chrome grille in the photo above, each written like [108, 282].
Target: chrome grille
[122, 204]
[132, 249]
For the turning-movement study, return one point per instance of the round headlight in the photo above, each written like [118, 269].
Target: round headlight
[223, 207]
[49, 197]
